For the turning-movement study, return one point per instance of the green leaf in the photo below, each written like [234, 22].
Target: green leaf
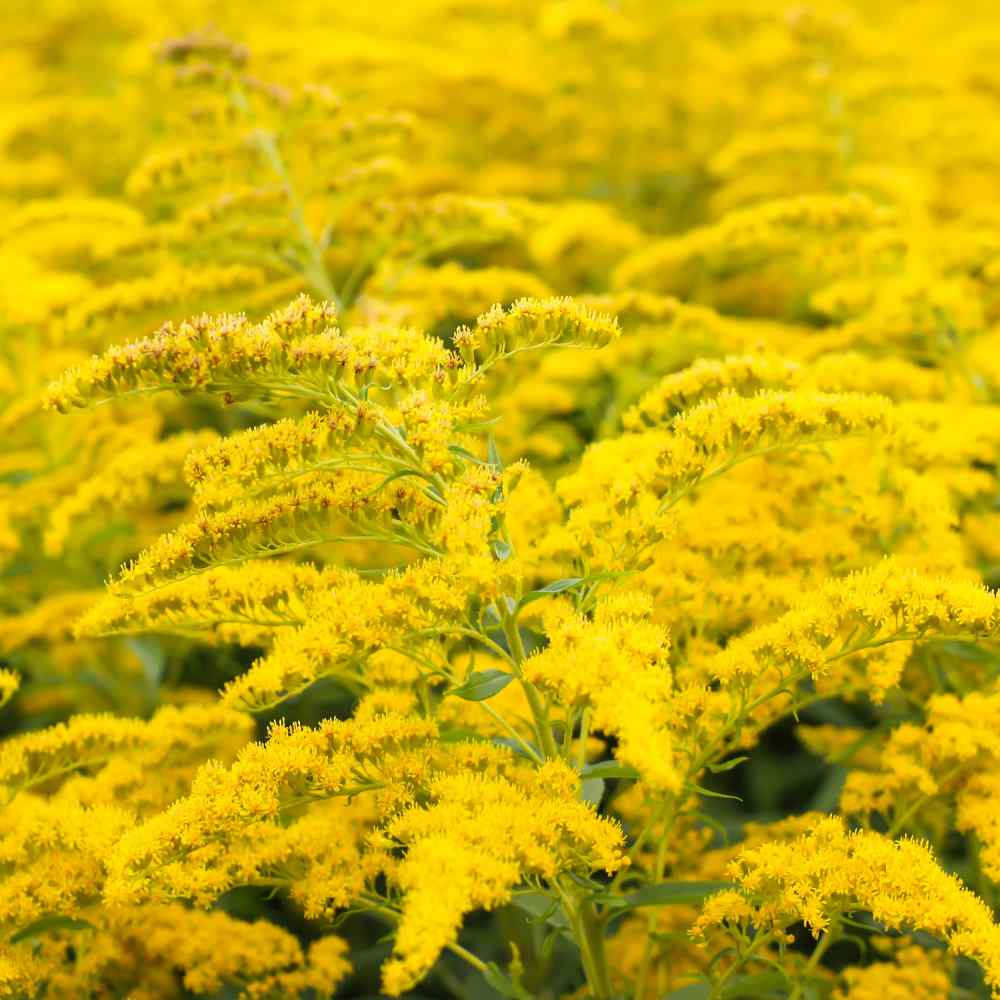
[499, 981]
[153, 658]
[966, 650]
[709, 794]
[675, 893]
[458, 735]
[502, 983]
[466, 454]
[381, 996]
[402, 473]
[759, 986]
[557, 587]
[592, 790]
[827, 793]
[727, 765]
[542, 907]
[502, 550]
[517, 747]
[483, 684]
[477, 426]
[711, 821]
[693, 991]
[52, 923]
[493, 454]
[609, 769]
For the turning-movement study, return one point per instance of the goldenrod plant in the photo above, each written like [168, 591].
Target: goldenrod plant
[499, 498]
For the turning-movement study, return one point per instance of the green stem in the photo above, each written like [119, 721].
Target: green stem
[467, 956]
[592, 943]
[581, 758]
[588, 932]
[814, 959]
[541, 717]
[526, 747]
[538, 709]
[391, 915]
[907, 814]
[740, 963]
[313, 266]
[671, 812]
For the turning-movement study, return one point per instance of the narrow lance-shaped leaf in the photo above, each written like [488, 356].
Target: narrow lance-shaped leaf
[482, 685]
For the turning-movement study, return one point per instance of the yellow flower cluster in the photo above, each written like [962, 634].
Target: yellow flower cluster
[496, 501]
[129, 480]
[171, 951]
[915, 974]
[243, 603]
[349, 621]
[342, 508]
[479, 837]
[829, 873]
[847, 617]
[206, 842]
[86, 742]
[615, 664]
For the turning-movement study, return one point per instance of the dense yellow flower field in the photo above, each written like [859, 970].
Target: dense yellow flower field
[500, 498]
